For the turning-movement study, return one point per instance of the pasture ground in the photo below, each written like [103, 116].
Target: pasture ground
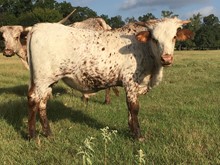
[180, 119]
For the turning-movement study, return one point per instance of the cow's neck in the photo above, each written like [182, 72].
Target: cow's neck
[157, 69]
[22, 54]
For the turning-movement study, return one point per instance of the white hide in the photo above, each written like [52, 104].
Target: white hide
[60, 52]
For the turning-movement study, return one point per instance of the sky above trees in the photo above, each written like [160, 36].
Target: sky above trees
[29, 12]
[129, 8]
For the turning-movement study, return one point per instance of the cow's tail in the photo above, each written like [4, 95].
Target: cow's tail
[29, 37]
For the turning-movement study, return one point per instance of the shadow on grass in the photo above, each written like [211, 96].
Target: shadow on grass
[15, 114]
[22, 90]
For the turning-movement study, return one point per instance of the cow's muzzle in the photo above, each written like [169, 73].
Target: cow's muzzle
[8, 53]
[166, 59]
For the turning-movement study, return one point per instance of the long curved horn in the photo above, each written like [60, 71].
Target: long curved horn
[148, 23]
[66, 18]
[141, 23]
[185, 22]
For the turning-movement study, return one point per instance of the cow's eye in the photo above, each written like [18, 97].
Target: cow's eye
[16, 38]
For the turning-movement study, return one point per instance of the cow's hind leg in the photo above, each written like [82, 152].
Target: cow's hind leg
[37, 104]
[43, 115]
[33, 105]
[133, 109]
[107, 96]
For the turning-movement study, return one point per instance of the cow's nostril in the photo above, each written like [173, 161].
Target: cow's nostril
[8, 52]
[166, 59]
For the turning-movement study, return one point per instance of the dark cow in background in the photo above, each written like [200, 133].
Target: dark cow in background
[90, 61]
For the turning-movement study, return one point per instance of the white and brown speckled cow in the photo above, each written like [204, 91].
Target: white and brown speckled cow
[15, 43]
[90, 61]
[97, 24]
[15, 37]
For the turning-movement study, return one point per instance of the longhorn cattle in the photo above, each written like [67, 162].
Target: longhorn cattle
[15, 43]
[15, 38]
[90, 61]
[97, 24]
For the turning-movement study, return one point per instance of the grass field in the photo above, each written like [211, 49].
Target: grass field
[180, 119]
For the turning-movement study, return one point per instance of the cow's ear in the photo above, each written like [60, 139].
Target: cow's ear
[24, 35]
[25, 32]
[27, 29]
[143, 36]
[184, 34]
[2, 29]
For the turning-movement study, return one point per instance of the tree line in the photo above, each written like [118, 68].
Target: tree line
[30, 12]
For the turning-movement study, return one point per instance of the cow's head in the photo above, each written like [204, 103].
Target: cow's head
[14, 38]
[162, 36]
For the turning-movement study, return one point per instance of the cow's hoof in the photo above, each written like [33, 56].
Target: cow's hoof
[47, 133]
[107, 102]
[29, 137]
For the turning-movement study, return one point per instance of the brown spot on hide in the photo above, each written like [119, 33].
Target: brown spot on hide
[103, 49]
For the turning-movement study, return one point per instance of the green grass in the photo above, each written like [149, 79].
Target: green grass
[180, 118]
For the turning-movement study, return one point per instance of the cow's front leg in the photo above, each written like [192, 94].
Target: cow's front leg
[133, 109]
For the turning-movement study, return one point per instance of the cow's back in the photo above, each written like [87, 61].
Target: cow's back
[57, 51]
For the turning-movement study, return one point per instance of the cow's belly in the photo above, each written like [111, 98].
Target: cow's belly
[90, 84]
[75, 85]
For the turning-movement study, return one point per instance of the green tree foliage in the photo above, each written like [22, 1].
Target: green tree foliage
[195, 25]
[15, 7]
[64, 8]
[130, 19]
[208, 37]
[116, 22]
[49, 4]
[168, 14]
[146, 17]
[211, 20]
[30, 12]
[39, 15]
[82, 13]
[7, 18]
